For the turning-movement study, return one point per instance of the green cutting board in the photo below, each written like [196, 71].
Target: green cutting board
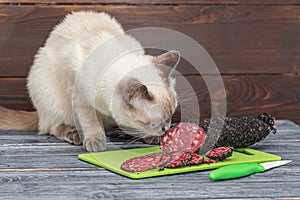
[112, 160]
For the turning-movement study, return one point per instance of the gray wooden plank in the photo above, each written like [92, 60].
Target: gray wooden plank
[25, 137]
[68, 149]
[34, 162]
[41, 167]
[63, 162]
[43, 157]
[286, 123]
[57, 154]
[97, 184]
[287, 130]
[65, 157]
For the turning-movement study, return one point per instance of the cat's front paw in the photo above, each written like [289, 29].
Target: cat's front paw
[94, 144]
[73, 137]
[152, 140]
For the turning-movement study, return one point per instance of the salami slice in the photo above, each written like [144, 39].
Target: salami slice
[178, 159]
[147, 162]
[208, 160]
[184, 137]
[220, 153]
[196, 159]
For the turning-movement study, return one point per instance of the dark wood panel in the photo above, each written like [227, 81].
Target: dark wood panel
[13, 94]
[240, 39]
[246, 88]
[245, 95]
[159, 2]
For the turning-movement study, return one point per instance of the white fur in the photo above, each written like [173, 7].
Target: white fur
[63, 60]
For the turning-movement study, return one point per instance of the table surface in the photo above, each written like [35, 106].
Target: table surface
[41, 167]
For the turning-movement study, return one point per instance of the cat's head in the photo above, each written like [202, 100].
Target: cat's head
[149, 106]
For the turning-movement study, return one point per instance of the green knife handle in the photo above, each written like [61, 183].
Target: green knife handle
[235, 171]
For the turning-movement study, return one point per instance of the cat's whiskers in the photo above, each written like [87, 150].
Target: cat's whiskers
[134, 140]
[186, 98]
[151, 141]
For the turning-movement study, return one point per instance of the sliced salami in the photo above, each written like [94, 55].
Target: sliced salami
[179, 144]
[184, 137]
[196, 159]
[147, 162]
[220, 153]
[178, 159]
[208, 160]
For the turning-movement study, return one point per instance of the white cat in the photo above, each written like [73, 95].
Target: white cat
[135, 90]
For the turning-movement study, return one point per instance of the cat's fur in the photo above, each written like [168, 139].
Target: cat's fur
[124, 94]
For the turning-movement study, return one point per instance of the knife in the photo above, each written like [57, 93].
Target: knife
[244, 169]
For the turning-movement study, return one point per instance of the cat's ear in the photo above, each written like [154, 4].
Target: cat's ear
[134, 92]
[167, 62]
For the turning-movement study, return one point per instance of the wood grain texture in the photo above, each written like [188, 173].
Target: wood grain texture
[240, 39]
[255, 45]
[52, 171]
[245, 95]
[102, 184]
[14, 94]
[159, 2]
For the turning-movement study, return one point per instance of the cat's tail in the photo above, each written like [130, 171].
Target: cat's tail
[18, 120]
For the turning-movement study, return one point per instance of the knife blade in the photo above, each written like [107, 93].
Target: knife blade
[244, 169]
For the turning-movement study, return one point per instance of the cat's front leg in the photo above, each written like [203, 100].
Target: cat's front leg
[92, 129]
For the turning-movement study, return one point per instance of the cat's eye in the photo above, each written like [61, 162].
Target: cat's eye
[148, 96]
[129, 106]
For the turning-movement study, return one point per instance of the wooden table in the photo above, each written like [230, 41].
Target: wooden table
[41, 167]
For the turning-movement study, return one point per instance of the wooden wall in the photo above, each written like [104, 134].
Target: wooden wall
[255, 44]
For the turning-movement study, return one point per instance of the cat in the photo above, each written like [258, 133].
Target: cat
[123, 98]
